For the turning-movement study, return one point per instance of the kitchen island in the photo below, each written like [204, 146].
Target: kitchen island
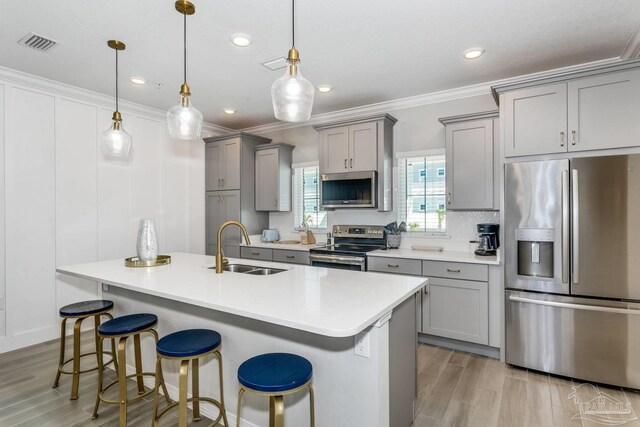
[313, 312]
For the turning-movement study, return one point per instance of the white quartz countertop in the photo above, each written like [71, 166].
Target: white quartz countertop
[450, 256]
[257, 243]
[331, 302]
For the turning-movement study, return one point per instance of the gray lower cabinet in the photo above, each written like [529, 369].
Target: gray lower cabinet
[293, 257]
[251, 252]
[455, 303]
[276, 255]
[222, 206]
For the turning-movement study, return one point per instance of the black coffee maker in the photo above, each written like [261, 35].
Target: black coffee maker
[488, 241]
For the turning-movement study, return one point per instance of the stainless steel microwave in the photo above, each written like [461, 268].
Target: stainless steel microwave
[348, 190]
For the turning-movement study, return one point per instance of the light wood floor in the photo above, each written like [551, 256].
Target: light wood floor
[460, 389]
[455, 389]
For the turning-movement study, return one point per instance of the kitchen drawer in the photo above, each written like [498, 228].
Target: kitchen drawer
[394, 265]
[294, 257]
[251, 252]
[455, 270]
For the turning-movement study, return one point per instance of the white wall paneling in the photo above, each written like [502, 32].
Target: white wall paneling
[65, 203]
[2, 204]
[30, 215]
[76, 196]
[115, 196]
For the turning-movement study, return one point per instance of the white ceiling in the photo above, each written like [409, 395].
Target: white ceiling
[369, 50]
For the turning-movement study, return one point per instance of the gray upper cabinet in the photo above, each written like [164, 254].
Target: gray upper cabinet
[471, 148]
[230, 189]
[356, 145]
[535, 120]
[273, 177]
[592, 109]
[222, 160]
[604, 111]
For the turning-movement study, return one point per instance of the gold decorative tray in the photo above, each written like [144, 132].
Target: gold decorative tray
[135, 262]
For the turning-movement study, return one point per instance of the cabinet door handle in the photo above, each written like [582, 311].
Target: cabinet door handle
[573, 137]
[290, 256]
[453, 270]
[275, 204]
[219, 184]
[562, 139]
[393, 265]
[222, 182]
[426, 292]
[345, 163]
[448, 198]
[255, 253]
[350, 163]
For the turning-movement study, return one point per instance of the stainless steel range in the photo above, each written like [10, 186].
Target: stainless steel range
[351, 244]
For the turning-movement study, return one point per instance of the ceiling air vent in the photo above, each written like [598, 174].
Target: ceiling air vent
[38, 42]
[275, 64]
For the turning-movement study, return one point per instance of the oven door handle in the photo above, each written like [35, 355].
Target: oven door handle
[335, 259]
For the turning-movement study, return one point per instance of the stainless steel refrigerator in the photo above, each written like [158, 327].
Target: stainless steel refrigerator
[572, 267]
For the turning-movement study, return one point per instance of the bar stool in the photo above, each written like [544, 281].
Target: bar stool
[276, 375]
[123, 327]
[80, 311]
[189, 346]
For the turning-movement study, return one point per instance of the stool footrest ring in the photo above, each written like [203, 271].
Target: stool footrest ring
[93, 353]
[175, 404]
[129, 399]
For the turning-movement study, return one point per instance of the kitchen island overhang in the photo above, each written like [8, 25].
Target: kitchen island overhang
[314, 312]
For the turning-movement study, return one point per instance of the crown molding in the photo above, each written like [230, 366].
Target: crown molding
[420, 100]
[21, 79]
[632, 49]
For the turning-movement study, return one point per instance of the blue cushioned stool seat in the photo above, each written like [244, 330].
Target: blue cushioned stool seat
[85, 308]
[188, 343]
[275, 372]
[128, 324]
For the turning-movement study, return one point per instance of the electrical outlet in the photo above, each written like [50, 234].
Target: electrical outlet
[105, 287]
[362, 344]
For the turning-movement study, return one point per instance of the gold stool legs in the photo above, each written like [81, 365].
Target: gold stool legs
[183, 400]
[63, 337]
[276, 406]
[122, 382]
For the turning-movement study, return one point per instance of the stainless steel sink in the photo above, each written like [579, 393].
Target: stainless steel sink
[250, 269]
[265, 271]
[238, 268]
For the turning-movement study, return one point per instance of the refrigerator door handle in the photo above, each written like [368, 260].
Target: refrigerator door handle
[565, 226]
[587, 307]
[575, 243]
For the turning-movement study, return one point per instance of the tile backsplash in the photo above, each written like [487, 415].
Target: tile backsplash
[461, 226]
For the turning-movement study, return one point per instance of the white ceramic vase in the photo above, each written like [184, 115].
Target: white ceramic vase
[147, 244]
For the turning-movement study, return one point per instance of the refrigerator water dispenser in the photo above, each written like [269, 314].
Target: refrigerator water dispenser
[535, 252]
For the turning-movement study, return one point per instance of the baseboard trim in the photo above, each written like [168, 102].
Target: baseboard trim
[482, 350]
[27, 339]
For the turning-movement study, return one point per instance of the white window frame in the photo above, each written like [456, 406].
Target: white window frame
[298, 203]
[401, 196]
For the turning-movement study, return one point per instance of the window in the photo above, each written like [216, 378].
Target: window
[306, 195]
[421, 191]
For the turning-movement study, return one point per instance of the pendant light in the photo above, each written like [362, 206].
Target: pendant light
[115, 140]
[292, 94]
[184, 121]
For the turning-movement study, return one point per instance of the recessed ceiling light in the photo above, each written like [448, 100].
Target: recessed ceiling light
[138, 80]
[241, 40]
[325, 88]
[473, 53]
[229, 111]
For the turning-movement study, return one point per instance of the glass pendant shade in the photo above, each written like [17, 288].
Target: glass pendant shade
[292, 96]
[185, 122]
[116, 141]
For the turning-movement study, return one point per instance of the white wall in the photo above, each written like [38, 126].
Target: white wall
[63, 202]
[417, 128]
